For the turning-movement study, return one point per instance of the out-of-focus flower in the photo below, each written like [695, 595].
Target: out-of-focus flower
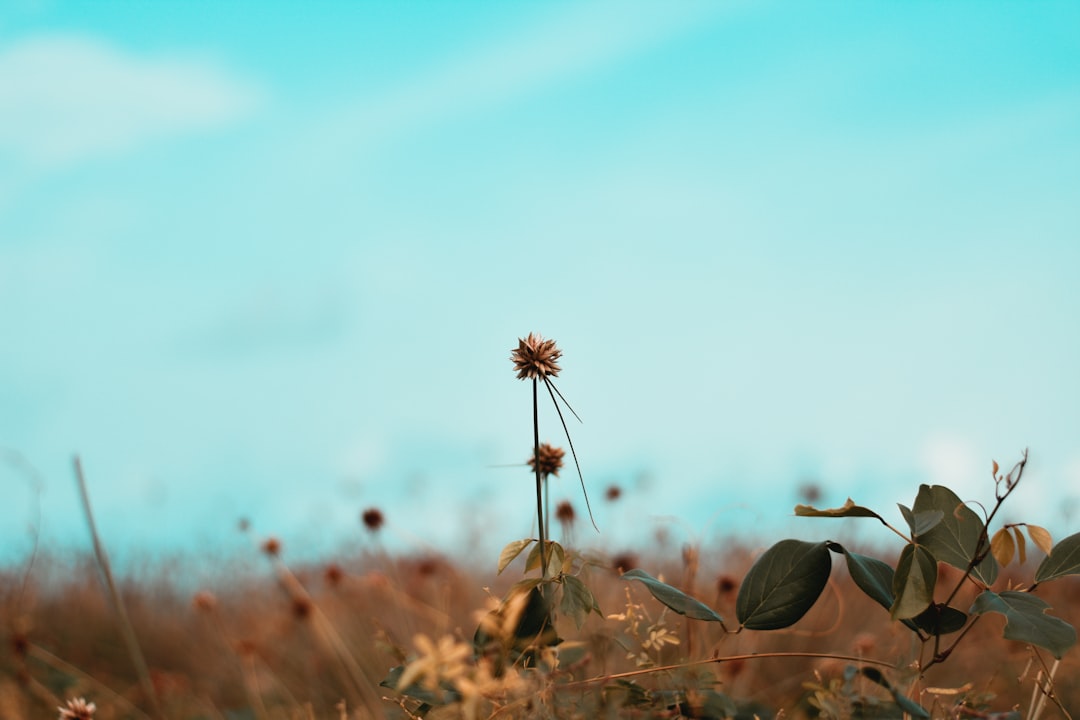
[77, 709]
[551, 459]
[438, 662]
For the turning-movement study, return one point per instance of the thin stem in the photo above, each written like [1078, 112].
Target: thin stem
[539, 487]
[551, 391]
[730, 658]
[126, 628]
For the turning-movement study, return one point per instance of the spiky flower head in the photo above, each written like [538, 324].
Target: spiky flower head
[77, 709]
[550, 459]
[536, 358]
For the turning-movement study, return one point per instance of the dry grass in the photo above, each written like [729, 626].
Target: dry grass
[270, 642]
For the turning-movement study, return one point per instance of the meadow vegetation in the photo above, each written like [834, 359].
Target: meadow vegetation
[950, 614]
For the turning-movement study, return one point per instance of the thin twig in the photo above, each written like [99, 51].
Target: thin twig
[728, 658]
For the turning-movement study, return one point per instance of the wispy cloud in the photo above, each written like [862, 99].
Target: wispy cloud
[576, 41]
[65, 99]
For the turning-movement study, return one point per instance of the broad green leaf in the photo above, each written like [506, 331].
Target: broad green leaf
[1041, 538]
[1002, 546]
[783, 584]
[874, 577]
[920, 522]
[1063, 560]
[577, 600]
[940, 619]
[1026, 620]
[511, 551]
[848, 509]
[674, 598]
[913, 583]
[954, 540]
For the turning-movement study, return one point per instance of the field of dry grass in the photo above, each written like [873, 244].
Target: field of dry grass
[269, 640]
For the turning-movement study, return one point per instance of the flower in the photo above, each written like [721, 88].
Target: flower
[437, 662]
[535, 358]
[550, 459]
[77, 709]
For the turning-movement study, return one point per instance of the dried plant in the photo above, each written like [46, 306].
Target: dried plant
[536, 359]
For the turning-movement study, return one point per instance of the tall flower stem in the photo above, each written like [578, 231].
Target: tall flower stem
[539, 486]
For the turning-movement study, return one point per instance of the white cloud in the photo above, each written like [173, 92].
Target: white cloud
[66, 98]
[952, 461]
[572, 42]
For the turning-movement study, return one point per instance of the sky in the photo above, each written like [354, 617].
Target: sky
[268, 260]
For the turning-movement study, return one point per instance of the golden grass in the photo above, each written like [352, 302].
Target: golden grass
[268, 641]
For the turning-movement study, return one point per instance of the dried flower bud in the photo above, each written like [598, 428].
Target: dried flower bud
[204, 601]
[271, 546]
[564, 512]
[535, 358]
[373, 519]
[551, 459]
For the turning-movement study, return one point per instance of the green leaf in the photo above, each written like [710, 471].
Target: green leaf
[1026, 620]
[913, 583]
[577, 600]
[874, 577]
[954, 540]
[940, 619]
[920, 522]
[674, 598]
[783, 584]
[848, 509]
[511, 551]
[1063, 560]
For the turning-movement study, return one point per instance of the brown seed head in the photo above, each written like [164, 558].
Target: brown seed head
[551, 459]
[536, 358]
[77, 709]
[624, 562]
[373, 519]
[564, 512]
[301, 608]
[613, 493]
[204, 601]
[726, 584]
[333, 574]
[271, 546]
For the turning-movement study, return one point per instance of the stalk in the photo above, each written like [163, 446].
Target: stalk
[539, 488]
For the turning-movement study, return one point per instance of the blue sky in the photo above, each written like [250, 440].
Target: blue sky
[269, 259]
